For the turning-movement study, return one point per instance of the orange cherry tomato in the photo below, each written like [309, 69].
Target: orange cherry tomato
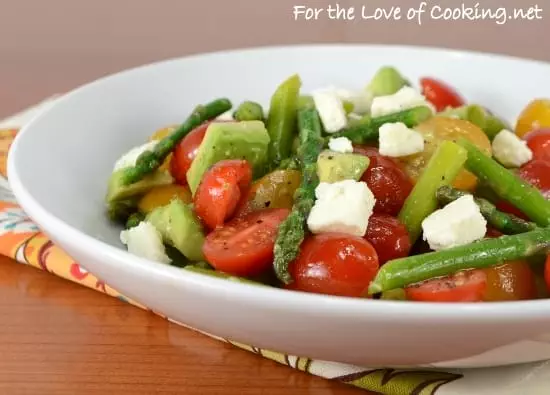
[535, 116]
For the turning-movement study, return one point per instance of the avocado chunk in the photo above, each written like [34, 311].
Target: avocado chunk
[246, 140]
[336, 166]
[180, 228]
[386, 81]
[117, 190]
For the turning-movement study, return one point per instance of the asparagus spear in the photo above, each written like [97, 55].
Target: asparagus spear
[443, 167]
[292, 163]
[281, 120]
[151, 160]
[507, 185]
[506, 223]
[292, 229]
[402, 272]
[249, 111]
[368, 130]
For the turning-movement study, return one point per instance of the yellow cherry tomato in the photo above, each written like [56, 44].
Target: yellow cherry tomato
[162, 195]
[159, 135]
[438, 129]
[535, 116]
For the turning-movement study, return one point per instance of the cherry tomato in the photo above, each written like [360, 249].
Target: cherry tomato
[492, 233]
[464, 286]
[535, 116]
[389, 237]
[162, 195]
[334, 264]
[547, 272]
[244, 246]
[539, 142]
[438, 129]
[220, 190]
[537, 173]
[506, 207]
[274, 190]
[386, 179]
[513, 280]
[185, 152]
[440, 94]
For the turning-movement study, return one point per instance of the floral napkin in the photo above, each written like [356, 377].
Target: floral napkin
[21, 239]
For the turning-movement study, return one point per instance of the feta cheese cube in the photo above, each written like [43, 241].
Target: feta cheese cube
[343, 206]
[396, 139]
[458, 223]
[403, 99]
[226, 116]
[145, 241]
[331, 109]
[361, 99]
[129, 158]
[510, 150]
[340, 144]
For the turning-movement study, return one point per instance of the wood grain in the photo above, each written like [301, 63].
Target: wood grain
[61, 338]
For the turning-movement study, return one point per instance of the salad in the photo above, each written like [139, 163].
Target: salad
[385, 192]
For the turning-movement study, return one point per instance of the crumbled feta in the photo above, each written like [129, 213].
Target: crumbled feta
[340, 144]
[331, 109]
[343, 206]
[396, 139]
[361, 99]
[226, 116]
[510, 150]
[129, 158]
[144, 240]
[458, 223]
[403, 99]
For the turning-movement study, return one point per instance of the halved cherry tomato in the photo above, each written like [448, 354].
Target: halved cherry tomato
[220, 190]
[539, 142]
[438, 129]
[185, 152]
[389, 237]
[334, 264]
[537, 173]
[547, 272]
[162, 195]
[244, 246]
[535, 116]
[274, 190]
[440, 94]
[464, 286]
[513, 280]
[386, 179]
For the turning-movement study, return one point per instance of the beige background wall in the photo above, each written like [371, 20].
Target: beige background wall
[48, 46]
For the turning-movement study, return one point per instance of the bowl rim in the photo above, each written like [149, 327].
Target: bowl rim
[269, 296]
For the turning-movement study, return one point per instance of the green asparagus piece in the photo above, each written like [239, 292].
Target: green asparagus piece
[480, 117]
[120, 211]
[444, 165]
[367, 130]
[506, 223]
[292, 229]
[292, 163]
[507, 185]
[134, 220]
[400, 273]
[249, 111]
[281, 120]
[306, 101]
[151, 160]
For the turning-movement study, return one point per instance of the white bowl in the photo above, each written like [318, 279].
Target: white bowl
[60, 163]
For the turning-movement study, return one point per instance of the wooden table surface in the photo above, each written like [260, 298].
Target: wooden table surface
[58, 337]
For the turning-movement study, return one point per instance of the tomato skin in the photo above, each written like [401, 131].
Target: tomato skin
[536, 115]
[244, 245]
[464, 286]
[513, 280]
[334, 264]
[389, 237]
[539, 142]
[220, 190]
[440, 94]
[185, 152]
[387, 180]
[547, 272]
[537, 173]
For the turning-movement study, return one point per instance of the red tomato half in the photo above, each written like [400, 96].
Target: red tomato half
[389, 237]
[244, 246]
[220, 190]
[539, 142]
[537, 173]
[185, 152]
[465, 286]
[387, 180]
[440, 94]
[334, 264]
